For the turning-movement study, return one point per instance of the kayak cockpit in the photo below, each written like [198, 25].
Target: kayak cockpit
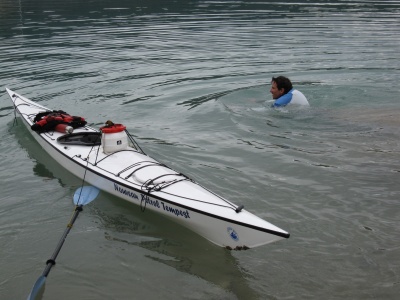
[81, 139]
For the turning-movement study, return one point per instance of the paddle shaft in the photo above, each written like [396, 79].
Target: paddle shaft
[52, 260]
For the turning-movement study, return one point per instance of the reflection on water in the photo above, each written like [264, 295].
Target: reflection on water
[183, 251]
[45, 166]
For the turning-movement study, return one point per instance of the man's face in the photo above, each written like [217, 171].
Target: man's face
[276, 93]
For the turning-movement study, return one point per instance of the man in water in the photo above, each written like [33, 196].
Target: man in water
[283, 93]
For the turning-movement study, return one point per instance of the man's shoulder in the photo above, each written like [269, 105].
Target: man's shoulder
[284, 99]
[299, 98]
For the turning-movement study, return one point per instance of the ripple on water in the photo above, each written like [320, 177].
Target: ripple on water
[191, 81]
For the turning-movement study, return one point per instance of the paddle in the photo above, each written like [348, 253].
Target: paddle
[82, 196]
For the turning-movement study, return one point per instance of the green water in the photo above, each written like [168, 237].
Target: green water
[190, 80]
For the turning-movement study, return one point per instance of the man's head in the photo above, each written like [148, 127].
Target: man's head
[280, 86]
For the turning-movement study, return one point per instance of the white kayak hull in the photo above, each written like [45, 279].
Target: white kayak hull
[133, 176]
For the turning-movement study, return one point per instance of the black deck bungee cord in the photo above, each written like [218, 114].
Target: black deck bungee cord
[87, 160]
[158, 187]
[135, 144]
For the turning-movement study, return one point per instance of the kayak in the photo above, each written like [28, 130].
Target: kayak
[111, 160]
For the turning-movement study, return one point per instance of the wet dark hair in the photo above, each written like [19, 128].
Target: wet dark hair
[283, 82]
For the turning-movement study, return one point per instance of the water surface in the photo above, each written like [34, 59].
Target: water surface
[190, 80]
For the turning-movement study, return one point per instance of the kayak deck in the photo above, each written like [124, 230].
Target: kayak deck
[132, 175]
[81, 139]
